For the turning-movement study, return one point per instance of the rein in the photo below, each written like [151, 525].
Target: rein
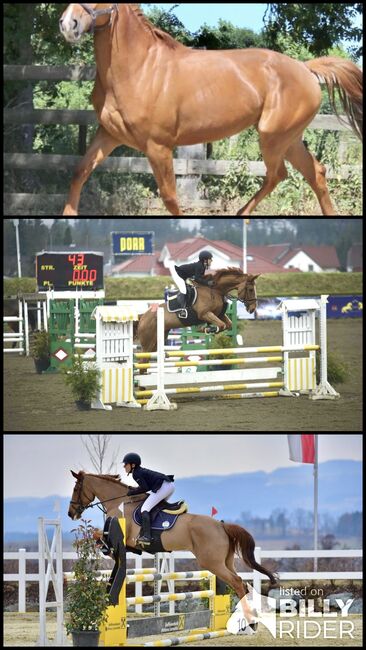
[81, 508]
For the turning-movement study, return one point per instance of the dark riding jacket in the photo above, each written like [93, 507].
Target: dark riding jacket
[148, 480]
[195, 271]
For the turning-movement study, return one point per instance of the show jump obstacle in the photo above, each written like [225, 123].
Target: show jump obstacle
[120, 627]
[208, 623]
[15, 337]
[114, 356]
[280, 371]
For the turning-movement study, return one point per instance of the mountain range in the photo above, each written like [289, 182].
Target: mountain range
[258, 493]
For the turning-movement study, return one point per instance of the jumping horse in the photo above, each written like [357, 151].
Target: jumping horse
[153, 94]
[209, 306]
[212, 542]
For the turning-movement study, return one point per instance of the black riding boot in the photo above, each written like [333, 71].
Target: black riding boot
[145, 537]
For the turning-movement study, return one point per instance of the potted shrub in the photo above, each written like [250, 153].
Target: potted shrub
[84, 380]
[40, 351]
[87, 598]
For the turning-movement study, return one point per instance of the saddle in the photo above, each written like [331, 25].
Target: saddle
[163, 511]
[175, 301]
[187, 316]
[162, 517]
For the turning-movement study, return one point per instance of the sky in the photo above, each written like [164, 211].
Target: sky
[194, 15]
[39, 465]
[188, 223]
[249, 15]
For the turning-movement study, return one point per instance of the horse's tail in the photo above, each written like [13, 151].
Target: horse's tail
[345, 77]
[242, 542]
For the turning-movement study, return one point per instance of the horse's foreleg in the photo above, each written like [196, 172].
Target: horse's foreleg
[228, 322]
[209, 317]
[102, 145]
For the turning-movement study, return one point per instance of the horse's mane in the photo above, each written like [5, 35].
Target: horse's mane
[154, 31]
[231, 270]
[113, 478]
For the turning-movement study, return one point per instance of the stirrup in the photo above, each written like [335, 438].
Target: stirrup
[145, 541]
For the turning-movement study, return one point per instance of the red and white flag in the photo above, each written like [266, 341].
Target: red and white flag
[302, 447]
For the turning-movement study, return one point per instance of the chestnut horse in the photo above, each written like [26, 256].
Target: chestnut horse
[212, 542]
[209, 306]
[153, 94]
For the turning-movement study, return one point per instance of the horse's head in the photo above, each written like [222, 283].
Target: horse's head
[79, 19]
[81, 498]
[226, 280]
[108, 488]
[247, 293]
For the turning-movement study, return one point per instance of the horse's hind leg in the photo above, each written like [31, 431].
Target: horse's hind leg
[273, 150]
[313, 172]
[230, 566]
[227, 574]
[222, 571]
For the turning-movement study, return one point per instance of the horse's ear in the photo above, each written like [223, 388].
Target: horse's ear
[74, 474]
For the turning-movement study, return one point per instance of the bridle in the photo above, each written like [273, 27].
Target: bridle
[80, 507]
[95, 13]
[247, 300]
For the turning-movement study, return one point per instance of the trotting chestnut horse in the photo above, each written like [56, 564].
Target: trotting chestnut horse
[212, 542]
[209, 307]
[154, 94]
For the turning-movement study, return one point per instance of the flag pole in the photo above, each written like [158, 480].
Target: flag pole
[245, 245]
[316, 502]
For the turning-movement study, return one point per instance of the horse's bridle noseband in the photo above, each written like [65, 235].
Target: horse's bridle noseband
[95, 13]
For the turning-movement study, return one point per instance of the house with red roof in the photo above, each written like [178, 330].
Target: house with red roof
[225, 254]
[308, 259]
[277, 258]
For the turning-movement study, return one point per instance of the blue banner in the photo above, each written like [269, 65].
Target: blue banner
[337, 307]
[345, 307]
[132, 243]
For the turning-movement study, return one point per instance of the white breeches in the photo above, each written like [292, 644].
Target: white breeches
[177, 279]
[164, 492]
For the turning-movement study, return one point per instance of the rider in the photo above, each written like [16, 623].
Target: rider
[195, 271]
[160, 486]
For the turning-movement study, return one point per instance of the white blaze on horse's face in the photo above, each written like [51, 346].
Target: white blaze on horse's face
[75, 22]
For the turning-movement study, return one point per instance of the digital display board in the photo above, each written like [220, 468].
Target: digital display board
[69, 271]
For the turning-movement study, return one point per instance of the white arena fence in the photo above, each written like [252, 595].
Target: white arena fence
[22, 577]
[50, 566]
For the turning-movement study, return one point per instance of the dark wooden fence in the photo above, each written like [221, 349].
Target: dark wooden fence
[190, 165]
